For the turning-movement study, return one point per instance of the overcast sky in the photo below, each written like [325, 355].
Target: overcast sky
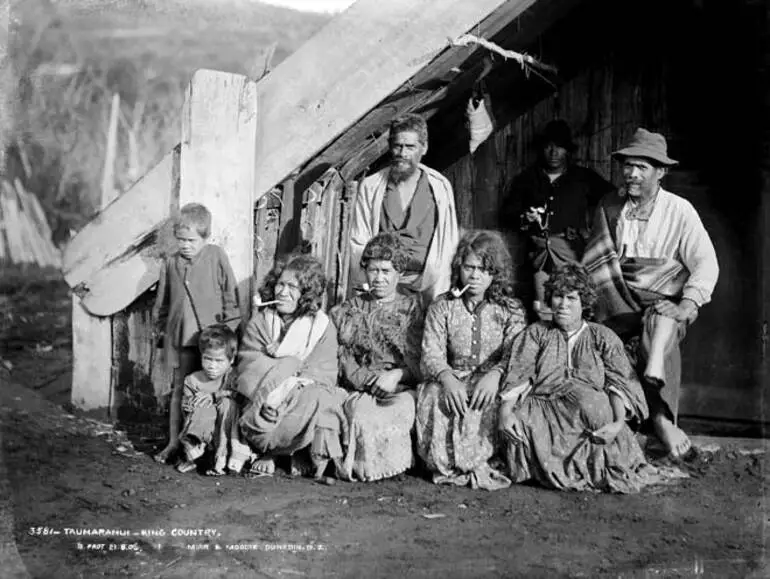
[313, 5]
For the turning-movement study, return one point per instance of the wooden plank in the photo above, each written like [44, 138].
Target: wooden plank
[291, 215]
[309, 233]
[28, 250]
[114, 287]
[8, 232]
[321, 231]
[343, 263]
[315, 230]
[121, 226]
[93, 380]
[219, 124]
[91, 360]
[109, 192]
[13, 230]
[39, 215]
[34, 242]
[486, 184]
[331, 207]
[3, 243]
[343, 72]
[42, 231]
[135, 363]
[108, 289]
[763, 265]
[267, 227]
[461, 177]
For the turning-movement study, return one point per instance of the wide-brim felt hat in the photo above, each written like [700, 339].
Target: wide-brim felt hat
[647, 144]
[557, 132]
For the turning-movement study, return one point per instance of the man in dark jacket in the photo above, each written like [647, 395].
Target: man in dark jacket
[553, 200]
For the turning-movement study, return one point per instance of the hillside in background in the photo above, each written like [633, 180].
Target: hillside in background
[174, 36]
[71, 56]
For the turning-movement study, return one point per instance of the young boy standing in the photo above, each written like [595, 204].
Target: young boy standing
[196, 288]
[211, 406]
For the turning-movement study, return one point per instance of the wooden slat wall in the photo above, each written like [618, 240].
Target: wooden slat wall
[320, 228]
[137, 371]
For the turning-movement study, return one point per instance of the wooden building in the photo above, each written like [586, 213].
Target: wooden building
[301, 138]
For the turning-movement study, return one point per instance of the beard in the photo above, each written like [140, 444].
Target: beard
[401, 171]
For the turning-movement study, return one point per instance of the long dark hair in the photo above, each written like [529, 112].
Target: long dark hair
[493, 252]
[311, 279]
[572, 278]
[386, 247]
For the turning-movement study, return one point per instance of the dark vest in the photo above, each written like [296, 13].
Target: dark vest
[415, 225]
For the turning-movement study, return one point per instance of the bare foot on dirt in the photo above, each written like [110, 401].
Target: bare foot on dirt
[215, 472]
[186, 466]
[163, 456]
[264, 466]
[673, 438]
[319, 468]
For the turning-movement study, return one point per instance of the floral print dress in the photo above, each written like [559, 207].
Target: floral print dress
[469, 343]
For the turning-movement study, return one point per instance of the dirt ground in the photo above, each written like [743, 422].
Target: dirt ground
[68, 474]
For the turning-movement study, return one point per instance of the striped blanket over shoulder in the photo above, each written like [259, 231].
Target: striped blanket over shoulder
[626, 285]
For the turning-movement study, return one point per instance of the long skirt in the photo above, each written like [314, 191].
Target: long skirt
[457, 450]
[215, 427]
[558, 453]
[378, 444]
[310, 416]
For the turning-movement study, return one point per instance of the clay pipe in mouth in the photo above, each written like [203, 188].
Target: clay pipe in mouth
[458, 292]
[259, 304]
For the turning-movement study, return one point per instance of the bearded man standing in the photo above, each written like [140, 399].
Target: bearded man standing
[416, 203]
[654, 267]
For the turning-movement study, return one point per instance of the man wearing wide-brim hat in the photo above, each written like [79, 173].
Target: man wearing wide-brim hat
[654, 266]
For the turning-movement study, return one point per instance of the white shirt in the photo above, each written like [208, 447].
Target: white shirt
[672, 230]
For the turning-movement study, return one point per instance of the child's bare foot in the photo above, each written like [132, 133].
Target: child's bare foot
[163, 456]
[186, 466]
[264, 466]
[234, 466]
[215, 472]
[319, 468]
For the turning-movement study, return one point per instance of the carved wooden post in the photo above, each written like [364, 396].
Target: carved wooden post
[219, 134]
[92, 335]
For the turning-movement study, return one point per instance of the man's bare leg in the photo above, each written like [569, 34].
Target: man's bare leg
[663, 332]
[663, 337]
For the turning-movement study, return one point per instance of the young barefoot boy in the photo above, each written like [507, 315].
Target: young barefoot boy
[211, 406]
[196, 289]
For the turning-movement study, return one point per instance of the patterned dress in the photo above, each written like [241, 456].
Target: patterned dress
[469, 344]
[571, 378]
[375, 337]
